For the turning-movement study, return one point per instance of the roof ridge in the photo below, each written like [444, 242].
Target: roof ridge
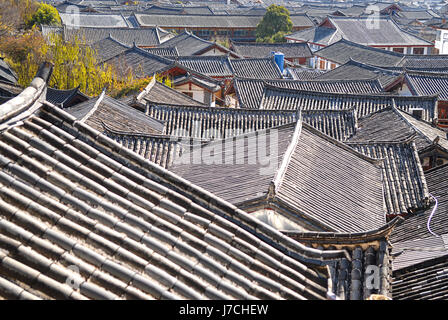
[397, 54]
[367, 95]
[417, 130]
[408, 33]
[148, 88]
[425, 73]
[407, 140]
[366, 236]
[174, 92]
[29, 96]
[351, 60]
[227, 110]
[280, 173]
[110, 37]
[134, 134]
[95, 106]
[342, 145]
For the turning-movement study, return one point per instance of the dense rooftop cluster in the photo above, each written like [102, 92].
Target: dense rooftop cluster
[241, 170]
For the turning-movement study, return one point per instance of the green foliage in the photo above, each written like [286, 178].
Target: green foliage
[14, 14]
[21, 52]
[133, 85]
[74, 65]
[123, 89]
[45, 14]
[274, 25]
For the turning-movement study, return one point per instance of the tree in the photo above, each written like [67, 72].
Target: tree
[74, 65]
[14, 14]
[45, 14]
[274, 25]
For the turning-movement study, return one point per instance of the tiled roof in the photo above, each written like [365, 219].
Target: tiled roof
[413, 252]
[415, 226]
[212, 66]
[65, 98]
[333, 184]
[262, 50]
[205, 123]
[8, 89]
[250, 91]
[391, 124]
[274, 97]
[93, 20]
[427, 133]
[117, 116]
[308, 163]
[357, 70]
[198, 79]
[215, 123]
[360, 30]
[164, 52]
[304, 73]
[343, 51]
[256, 68]
[6, 73]
[319, 35]
[425, 84]
[211, 21]
[160, 149]
[405, 188]
[188, 43]
[108, 48]
[338, 124]
[139, 61]
[73, 199]
[155, 9]
[423, 281]
[416, 14]
[224, 67]
[350, 277]
[424, 62]
[236, 180]
[353, 11]
[157, 93]
[127, 36]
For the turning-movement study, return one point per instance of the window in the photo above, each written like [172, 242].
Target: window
[203, 33]
[417, 112]
[240, 33]
[223, 33]
[322, 65]
[399, 50]
[418, 50]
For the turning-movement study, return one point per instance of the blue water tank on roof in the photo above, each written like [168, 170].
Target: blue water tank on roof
[279, 59]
